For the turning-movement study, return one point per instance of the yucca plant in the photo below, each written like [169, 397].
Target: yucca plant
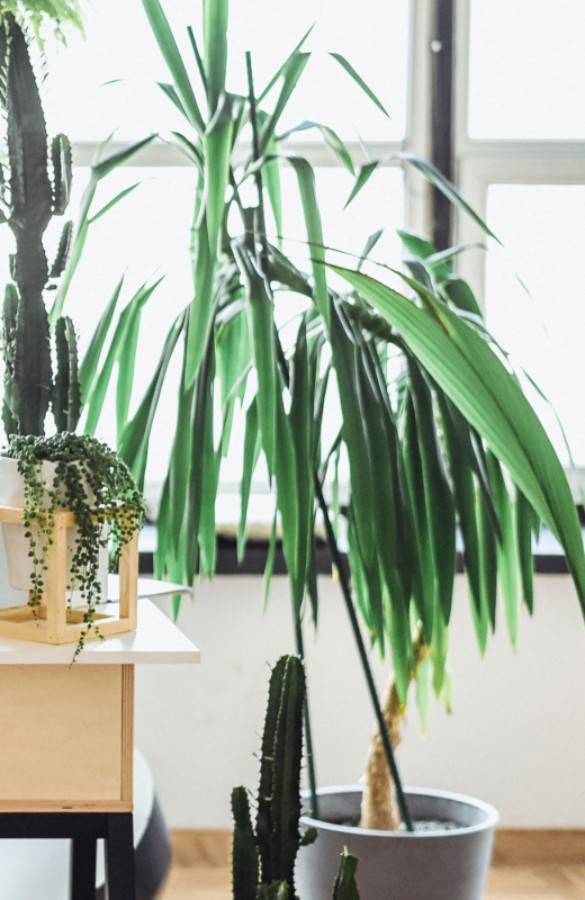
[434, 422]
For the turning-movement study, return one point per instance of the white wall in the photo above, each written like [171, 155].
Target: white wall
[515, 738]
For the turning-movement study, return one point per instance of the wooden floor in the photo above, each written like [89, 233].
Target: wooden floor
[524, 867]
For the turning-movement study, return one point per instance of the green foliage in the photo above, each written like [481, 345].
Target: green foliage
[264, 857]
[436, 429]
[66, 400]
[36, 184]
[38, 15]
[95, 484]
[345, 886]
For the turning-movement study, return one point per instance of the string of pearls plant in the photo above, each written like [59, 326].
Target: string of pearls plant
[97, 486]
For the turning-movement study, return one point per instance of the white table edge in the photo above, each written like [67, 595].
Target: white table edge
[156, 641]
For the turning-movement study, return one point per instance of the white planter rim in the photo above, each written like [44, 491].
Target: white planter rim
[491, 814]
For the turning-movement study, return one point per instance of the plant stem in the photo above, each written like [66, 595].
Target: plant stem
[263, 261]
[300, 644]
[346, 591]
[257, 173]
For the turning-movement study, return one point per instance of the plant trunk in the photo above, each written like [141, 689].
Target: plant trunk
[379, 807]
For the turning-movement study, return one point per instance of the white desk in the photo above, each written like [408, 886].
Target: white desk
[156, 641]
[68, 729]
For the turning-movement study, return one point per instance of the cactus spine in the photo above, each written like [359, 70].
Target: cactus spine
[35, 186]
[264, 856]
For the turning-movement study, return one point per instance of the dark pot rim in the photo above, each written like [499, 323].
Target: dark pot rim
[490, 821]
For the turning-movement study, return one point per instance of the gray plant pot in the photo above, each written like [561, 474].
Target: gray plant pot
[428, 865]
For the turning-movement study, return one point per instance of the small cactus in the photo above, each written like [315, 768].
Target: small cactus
[264, 857]
[35, 186]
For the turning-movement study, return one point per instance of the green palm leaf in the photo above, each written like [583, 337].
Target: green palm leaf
[489, 397]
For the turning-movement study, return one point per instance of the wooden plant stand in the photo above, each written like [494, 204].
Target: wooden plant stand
[54, 622]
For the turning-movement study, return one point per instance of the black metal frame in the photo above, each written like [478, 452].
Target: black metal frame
[84, 830]
[442, 90]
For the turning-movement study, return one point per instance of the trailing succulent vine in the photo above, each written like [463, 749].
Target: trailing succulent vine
[35, 185]
[97, 486]
[264, 853]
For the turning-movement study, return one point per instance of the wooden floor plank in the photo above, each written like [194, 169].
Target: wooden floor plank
[201, 869]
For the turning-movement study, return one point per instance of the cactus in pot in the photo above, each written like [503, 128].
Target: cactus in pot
[43, 473]
[264, 853]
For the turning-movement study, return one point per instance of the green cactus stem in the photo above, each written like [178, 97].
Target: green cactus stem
[35, 186]
[264, 859]
[66, 399]
[345, 884]
[245, 866]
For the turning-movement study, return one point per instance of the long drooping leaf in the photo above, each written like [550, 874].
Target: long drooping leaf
[390, 520]
[133, 446]
[524, 522]
[125, 329]
[176, 487]
[250, 460]
[507, 549]
[218, 143]
[423, 581]
[105, 163]
[364, 175]
[127, 357]
[345, 64]
[90, 362]
[301, 423]
[291, 73]
[287, 498]
[306, 179]
[490, 398]
[201, 308]
[201, 397]
[205, 465]
[460, 456]
[215, 17]
[438, 499]
[172, 56]
[358, 439]
[261, 331]
[233, 356]
[113, 202]
[331, 138]
[278, 74]
[439, 181]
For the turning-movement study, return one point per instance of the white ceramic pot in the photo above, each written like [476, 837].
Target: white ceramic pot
[428, 865]
[16, 545]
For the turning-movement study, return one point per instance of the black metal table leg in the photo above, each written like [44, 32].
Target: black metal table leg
[84, 829]
[83, 858]
[119, 855]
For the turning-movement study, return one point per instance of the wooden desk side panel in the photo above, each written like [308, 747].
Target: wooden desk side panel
[66, 738]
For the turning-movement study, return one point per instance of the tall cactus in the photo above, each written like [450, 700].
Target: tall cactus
[264, 857]
[36, 184]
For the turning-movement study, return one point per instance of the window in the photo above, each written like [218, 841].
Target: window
[97, 87]
[520, 161]
[518, 147]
